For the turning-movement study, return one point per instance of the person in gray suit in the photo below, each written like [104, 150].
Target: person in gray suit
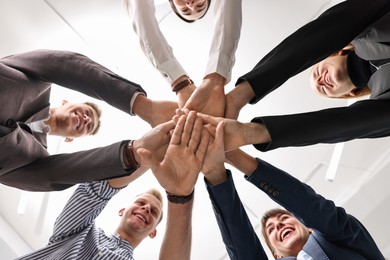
[311, 227]
[366, 67]
[26, 81]
[76, 235]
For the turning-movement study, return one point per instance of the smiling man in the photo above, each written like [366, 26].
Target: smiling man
[76, 236]
[26, 119]
[74, 120]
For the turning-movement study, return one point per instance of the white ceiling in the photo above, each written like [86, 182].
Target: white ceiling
[101, 30]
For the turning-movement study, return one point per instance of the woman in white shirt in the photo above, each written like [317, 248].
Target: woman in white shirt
[227, 27]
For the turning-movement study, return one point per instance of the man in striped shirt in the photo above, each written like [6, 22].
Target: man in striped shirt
[75, 234]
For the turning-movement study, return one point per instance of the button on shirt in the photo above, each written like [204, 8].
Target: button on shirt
[75, 234]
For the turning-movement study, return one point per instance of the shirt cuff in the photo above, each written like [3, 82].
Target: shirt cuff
[221, 64]
[171, 70]
[133, 98]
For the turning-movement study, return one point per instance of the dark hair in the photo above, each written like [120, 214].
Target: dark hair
[184, 19]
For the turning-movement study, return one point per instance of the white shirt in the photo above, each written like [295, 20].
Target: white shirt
[227, 28]
[39, 127]
[303, 256]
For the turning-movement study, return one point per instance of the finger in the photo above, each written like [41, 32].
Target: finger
[179, 112]
[188, 127]
[207, 119]
[219, 135]
[177, 133]
[196, 135]
[175, 119]
[186, 111]
[202, 147]
[166, 126]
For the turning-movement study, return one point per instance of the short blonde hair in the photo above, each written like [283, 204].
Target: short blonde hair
[156, 193]
[99, 114]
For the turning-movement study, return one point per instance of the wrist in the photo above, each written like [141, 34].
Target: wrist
[242, 94]
[256, 133]
[176, 199]
[215, 79]
[130, 158]
[181, 83]
[216, 176]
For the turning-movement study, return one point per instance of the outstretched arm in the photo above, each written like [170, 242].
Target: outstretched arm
[237, 134]
[77, 72]
[315, 211]
[154, 45]
[209, 97]
[313, 42]
[178, 172]
[236, 229]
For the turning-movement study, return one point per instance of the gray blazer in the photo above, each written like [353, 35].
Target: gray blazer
[25, 83]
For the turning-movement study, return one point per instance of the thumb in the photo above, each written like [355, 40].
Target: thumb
[209, 119]
[146, 158]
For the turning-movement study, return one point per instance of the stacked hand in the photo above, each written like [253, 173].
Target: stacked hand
[178, 171]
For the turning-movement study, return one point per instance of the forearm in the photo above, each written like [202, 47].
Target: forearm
[240, 95]
[77, 72]
[363, 119]
[86, 203]
[152, 41]
[236, 229]
[177, 240]
[241, 161]
[61, 171]
[255, 133]
[227, 30]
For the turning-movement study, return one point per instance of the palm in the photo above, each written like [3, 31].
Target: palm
[176, 176]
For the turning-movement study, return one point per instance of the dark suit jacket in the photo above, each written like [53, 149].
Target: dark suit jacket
[338, 234]
[25, 83]
[365, 24]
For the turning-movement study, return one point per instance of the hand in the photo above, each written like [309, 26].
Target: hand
[162, 111]
[184, 94]
[155, 141]
[178, 171]
[233, 130]
[213, 165]
[209, 98]
[152, 111]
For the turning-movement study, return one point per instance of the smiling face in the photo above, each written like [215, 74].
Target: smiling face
[141, 218]
[286, 234]
[330, 77]
[74, 120]
[190, 10]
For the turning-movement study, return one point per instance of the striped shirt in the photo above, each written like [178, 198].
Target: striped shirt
[75, 234]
